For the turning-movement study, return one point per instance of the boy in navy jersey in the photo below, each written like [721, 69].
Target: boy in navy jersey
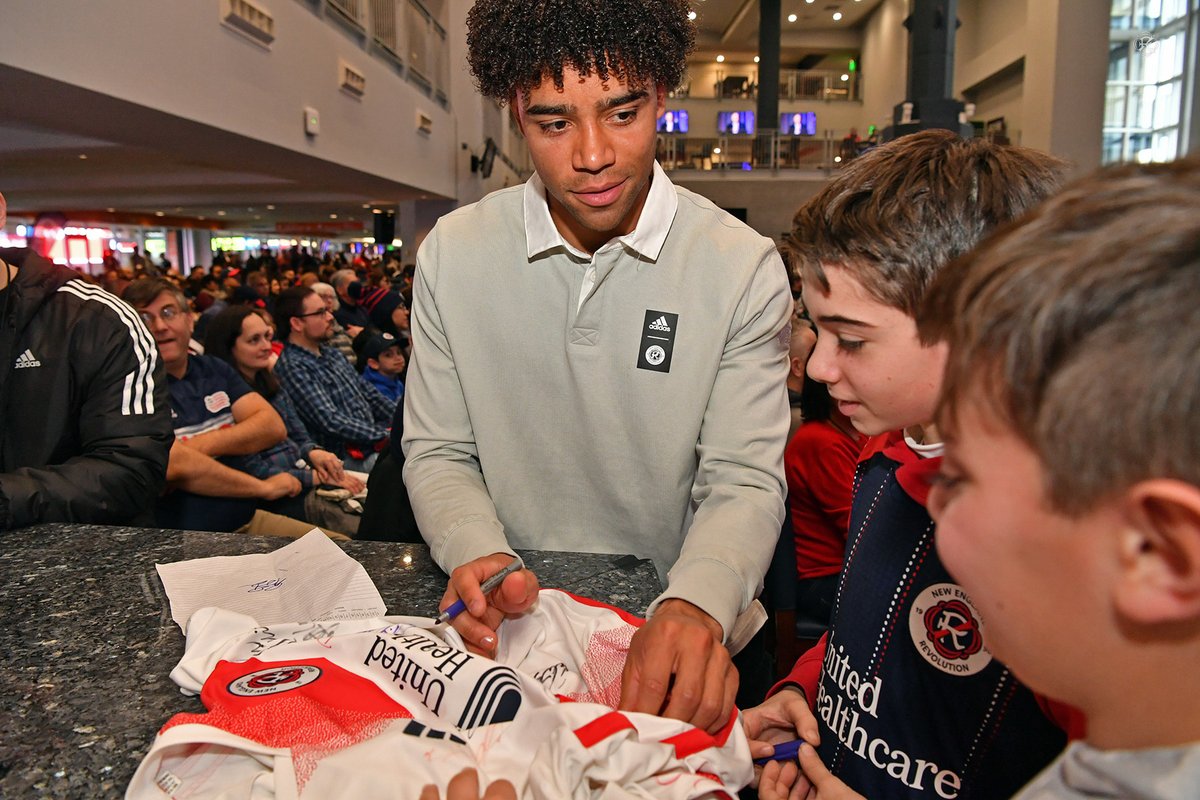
[1068, 504]
[902, 697]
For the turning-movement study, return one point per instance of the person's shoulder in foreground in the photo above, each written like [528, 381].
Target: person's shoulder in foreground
[83, 396]
[867, 247]
[1070, 418]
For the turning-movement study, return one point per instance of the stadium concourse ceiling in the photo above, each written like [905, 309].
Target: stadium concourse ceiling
[95, 158]
[730, 27]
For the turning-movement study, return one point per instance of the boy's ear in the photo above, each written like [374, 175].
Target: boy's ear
[1159, 579]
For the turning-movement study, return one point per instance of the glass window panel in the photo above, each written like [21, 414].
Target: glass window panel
[1120, 15]
[1166, 105]
[1164, 145]
[1139, 147]
[1141, 106]
[1118, 62]
[1172, 10]
[1112, 148]
[1114, 106]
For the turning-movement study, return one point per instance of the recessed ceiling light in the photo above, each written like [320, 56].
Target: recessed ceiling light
[756, 59]
[720, 59]
[220, 213]
[845, 76]
[691, 15]
[791, 17]
[83, 156]
[716, 151]
[333, 216]
[837, 15]
[270, 208]
[376, 211]
[366, 205]
[159, 214]
[110, 210]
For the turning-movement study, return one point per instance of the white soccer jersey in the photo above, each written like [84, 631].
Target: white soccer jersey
[382, 707]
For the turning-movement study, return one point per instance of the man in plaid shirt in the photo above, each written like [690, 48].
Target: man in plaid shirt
[345, 414]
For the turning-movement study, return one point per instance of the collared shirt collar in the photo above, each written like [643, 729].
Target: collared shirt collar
[646, 239]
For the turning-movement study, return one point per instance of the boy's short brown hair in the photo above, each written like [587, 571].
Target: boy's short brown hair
[900, 212]
[1079, 329]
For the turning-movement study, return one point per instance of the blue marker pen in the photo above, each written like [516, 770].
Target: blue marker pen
[458, 606]
[784, 751]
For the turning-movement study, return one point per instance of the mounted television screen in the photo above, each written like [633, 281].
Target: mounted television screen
[735, 123]
[798, 123]
[673, 122]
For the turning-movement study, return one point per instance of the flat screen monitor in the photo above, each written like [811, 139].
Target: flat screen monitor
[735, 123]
[673, 122]
[798, 123]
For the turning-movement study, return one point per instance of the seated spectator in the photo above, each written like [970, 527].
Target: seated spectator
[804, 338]
[348, 313]
[386, 309]
[218, 422]
[86, 428]
[344, 413]
[819, 465]
[241, 338]
[382, 363]
[339, 339]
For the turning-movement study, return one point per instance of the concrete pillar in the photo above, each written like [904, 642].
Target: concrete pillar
[769, 12]
[1066, 64]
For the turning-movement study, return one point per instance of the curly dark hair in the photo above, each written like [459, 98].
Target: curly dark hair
[513, 45]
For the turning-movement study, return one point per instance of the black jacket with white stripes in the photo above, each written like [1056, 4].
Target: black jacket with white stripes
[86, 423]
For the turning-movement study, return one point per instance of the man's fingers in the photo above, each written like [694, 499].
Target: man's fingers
[464, 785]
[777, 780]
[500, 790]
[429, 792]
[647, 675]
[517, 593]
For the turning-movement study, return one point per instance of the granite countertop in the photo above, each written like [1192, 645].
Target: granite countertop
[87, 640]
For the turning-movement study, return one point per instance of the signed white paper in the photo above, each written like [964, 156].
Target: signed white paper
[309, 579]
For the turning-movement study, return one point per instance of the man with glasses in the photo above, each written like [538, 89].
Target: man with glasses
[218, 420]
[345, 415]
[86, 431]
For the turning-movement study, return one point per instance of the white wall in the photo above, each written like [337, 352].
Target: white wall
[884, 62]
[179, 58]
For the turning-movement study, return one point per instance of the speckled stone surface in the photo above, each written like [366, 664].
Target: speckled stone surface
[87, 640]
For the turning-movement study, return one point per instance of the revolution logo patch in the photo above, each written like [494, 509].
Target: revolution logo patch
[658, 341]
[274, 680]
[947, 630]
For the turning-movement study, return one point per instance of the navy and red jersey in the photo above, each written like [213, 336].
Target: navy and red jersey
[910, 702]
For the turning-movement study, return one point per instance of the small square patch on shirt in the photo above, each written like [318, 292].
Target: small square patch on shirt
[658, 341]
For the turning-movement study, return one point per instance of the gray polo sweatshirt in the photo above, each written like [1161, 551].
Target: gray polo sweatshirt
[534, 421]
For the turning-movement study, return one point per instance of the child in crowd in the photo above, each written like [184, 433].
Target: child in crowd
[382, 364]
[902, 696]
[1069, 498]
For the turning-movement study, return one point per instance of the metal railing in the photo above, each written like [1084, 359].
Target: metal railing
[794, 84]
[401, 32]
[768, 150]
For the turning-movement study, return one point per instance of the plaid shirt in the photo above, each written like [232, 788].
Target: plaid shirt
[289, 455]
[340, 409]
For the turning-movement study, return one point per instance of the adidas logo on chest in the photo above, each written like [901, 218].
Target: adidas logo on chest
[27, 360]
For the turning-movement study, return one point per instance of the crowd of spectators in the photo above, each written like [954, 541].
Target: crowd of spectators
[275, 426]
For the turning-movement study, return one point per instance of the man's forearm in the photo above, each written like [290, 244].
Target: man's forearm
[201, 474]
[252, 435]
